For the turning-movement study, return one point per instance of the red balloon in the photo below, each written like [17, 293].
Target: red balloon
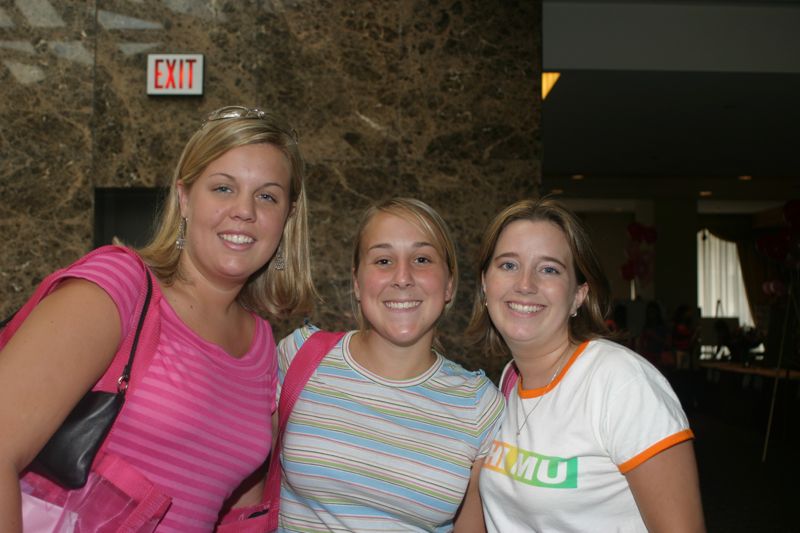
[628, 270]
[643, 271]
[776, 246]
[791, 213]
[650, 234]
[766, 288]
[778, 287]
[762, 244]
[633, 250]
[636, 231]
[782, 244]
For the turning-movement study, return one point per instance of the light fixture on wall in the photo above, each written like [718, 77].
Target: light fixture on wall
[548, 80]
[706, 194]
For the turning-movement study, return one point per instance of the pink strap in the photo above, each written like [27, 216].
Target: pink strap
[509, 380]
[148, 337]
[150, 501]
[300, 371]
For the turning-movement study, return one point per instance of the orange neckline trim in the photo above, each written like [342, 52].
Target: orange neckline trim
[533, 393]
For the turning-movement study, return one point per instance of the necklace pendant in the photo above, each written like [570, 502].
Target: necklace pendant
[538, 400]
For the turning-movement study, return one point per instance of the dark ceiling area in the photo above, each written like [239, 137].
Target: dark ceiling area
[673, 133]
[672, 98]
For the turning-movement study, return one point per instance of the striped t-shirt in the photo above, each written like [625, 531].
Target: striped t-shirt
[363, 453]
[199, 421]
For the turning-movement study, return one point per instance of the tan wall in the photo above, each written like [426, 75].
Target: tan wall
[435, 100]
[608, 232]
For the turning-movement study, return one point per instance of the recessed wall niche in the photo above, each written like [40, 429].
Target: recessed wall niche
[126, 213]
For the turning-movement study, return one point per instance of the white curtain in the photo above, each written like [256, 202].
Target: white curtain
[720, 288]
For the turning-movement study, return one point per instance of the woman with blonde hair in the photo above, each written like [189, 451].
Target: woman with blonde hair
[593, 437]
[388, 434]
[231, 249]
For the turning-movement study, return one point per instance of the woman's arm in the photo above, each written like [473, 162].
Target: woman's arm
[251, 491]
[55, 357]
[667, 491]
[470, 515]
[249, 494]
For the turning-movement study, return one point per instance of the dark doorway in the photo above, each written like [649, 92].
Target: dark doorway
[125, 213]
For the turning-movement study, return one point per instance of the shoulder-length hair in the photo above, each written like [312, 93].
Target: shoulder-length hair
[590, 321]
[269, 291]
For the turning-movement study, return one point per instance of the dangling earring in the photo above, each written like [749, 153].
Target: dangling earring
[279, 262]
[180, 243]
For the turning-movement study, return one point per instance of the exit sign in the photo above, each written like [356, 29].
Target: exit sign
[175, 74]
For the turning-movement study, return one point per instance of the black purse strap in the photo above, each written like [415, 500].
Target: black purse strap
[124, 379]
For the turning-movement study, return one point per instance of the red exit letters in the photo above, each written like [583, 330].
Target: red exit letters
[175, 74]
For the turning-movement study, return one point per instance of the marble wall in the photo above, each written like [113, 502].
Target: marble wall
[426, 98]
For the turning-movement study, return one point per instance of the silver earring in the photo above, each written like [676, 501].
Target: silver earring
[180, 242]
[574, 313]
[279, 261]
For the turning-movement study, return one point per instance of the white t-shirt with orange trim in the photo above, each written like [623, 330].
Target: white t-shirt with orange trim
[606, 412]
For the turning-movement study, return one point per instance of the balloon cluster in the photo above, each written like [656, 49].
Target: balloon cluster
[774, 288]
[782, 246]
[639, 251]
[778, 245]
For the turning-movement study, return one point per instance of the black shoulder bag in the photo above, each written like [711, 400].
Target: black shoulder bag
[68, 455]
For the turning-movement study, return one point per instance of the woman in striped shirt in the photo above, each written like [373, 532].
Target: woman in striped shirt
[388, 434]
[231, 249]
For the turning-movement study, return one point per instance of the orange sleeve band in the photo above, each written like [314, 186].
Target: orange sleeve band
[655, 449]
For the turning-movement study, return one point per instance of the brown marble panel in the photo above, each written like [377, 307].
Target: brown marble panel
[432, 99]
[46, 55]
[138, 138]
[343, 72]
[471, 75]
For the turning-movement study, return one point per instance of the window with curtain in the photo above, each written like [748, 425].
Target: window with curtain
[720, 287]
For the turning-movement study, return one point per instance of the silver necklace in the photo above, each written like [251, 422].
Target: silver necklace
[538, 400]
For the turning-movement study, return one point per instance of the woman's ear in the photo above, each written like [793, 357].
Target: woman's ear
[448, 292]
[292, 210]
[356, 289]
[580, 296]
[183, 197]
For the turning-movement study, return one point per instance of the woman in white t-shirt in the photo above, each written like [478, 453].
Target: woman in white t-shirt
[593, 437]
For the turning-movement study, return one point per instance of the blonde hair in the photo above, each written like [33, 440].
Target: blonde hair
[269, 291]
[590, 321]
[429, 222]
